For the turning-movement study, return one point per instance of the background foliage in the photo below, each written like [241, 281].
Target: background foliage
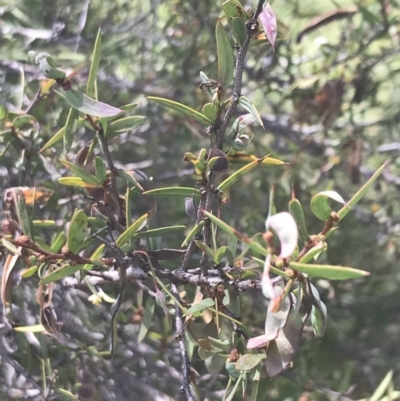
[329, 105]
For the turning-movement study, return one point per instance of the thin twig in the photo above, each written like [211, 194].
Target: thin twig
[239, 67]
[112, 168]
[180, 336]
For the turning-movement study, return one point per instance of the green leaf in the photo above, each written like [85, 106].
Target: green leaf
[192, 233]
[156, 232]
[205, 249]
[249, 361]
[255, 384]
[70, 128]
[124, 125]
[97, 254]
[22, 211]
[233, 8]
[209, 111]
[253, 245]
[204, 304]
[226, 58]
[147, 318]
[101, 169]
[182, 109]
[87, 105]
[54, 139]
[177, 191]
[296, 210]
[238, 174]
[44, 223]
[94, 67]
[220, 254]
[49, 68]
[360, 193]
[383, 387]
[128, 213]
[249, 106]
[114, 322]
[67, 394]
[329, 272]
[60, 273]
[320, 204]
[77, 231]
[132, 229]
[81, 173]
[240, 158]
[58, 242]
[314, 251]
[319, 313]
[77, 182]
[128, 176]
[29, 272]
[22, 120]
[238, 29]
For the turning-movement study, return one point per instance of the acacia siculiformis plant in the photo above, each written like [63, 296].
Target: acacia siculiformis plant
[110, 244]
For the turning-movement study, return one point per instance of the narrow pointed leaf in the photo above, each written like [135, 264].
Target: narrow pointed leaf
[242, 158]
[101, 169]
[94, 67]
[177, 191]
[192, 233]
[220, 254]
[157, 232]
[319, 313]
[249, 106]
[128, 176]
[77, 231]
[238, 174]
[22, 211]
[320, 204]
[132, 229]
[70, 128]
[124, 125]
[206, 249]
[314, 251]
[181, 109]
[87, 105]
[77, 182]
[383, 387]
[254, 245]
[360, 193]
[60, 273]
[114, 322]
[204, 304]
[147, 318]
[296, 210]
[226, 58]
[329, 272]
[81, 173]
[44, 223]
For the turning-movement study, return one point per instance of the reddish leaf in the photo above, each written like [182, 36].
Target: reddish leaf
[268, 21]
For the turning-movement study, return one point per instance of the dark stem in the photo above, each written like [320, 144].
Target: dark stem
[239, 67]
[180, 336]
[112, 168]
